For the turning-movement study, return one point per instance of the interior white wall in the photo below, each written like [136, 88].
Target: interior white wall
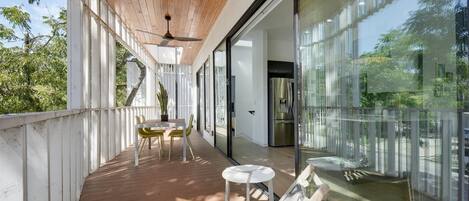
[244, 96]
[259, 62]
[281, 50]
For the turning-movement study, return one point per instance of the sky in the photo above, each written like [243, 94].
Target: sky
[371, 29]
[45, 8]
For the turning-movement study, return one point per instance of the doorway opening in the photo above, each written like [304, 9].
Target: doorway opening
[261, 92]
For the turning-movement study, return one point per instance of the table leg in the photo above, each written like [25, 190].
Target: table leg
[136, 146]
[271, 190]
[227, 190]
[184, 143]
[248, 196]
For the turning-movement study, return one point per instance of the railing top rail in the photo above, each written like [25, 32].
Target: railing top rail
[19, 119]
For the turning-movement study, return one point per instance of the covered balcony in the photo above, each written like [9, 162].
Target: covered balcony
[86, 152]
[210, 100]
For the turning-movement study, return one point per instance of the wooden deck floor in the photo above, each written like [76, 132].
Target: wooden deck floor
[154, 179]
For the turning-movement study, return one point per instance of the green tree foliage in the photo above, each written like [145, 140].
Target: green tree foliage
[33, 75]
[122, 55]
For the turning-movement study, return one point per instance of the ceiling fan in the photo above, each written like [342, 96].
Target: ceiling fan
[167, 37]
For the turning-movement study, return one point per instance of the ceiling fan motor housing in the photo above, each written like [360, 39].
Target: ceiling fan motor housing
[168, 35]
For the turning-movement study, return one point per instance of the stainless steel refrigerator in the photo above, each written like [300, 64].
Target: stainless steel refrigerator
[281, 122]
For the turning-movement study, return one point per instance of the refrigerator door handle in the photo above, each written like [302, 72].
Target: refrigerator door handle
[284, 121]
[290, 97]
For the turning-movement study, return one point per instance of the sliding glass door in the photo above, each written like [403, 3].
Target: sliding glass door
[207, 89]
[221, 114]
[201, 99]
[384, 86]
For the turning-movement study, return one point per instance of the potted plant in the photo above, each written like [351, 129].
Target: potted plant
[163, 99]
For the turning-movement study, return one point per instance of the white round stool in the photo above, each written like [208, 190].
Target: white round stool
[248, 174]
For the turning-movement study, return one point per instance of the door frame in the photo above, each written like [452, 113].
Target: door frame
[249, 13]
[197, 77]
[227, 89]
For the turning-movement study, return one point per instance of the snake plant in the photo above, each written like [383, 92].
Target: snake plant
[163, 99]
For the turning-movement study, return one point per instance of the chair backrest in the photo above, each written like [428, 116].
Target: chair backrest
[139, 120]
[307, 179]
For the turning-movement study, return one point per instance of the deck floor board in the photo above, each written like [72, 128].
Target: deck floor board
[154, 179]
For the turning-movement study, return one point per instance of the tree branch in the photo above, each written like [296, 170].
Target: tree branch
[135, 88]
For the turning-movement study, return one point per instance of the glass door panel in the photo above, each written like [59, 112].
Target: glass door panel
[208, 110]
[383, 95]
[221, 121]
[201, 100]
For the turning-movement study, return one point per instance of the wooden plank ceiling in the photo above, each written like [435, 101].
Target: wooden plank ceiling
[190, 18]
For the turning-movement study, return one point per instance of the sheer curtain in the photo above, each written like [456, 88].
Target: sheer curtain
[178, 81]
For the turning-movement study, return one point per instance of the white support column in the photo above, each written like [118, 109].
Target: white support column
[95, 72]
[76, 75]
[112, 62]
[104, 151]
[104, 58]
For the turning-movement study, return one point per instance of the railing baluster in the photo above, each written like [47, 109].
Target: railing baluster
[57, 150]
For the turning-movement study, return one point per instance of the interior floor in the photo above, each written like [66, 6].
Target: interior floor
[281, 159]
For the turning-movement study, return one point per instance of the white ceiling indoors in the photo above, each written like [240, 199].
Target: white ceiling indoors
[278, 23]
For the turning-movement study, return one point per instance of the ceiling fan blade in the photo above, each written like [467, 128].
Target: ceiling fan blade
[164, 43]
[143, 31]
[187, 39]
[159, 45]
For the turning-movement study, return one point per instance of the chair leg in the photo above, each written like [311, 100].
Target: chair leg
[162, 144]
[159, 147]
[170, 148]
[190, 147]
[143, 145]
[140, 143]
[149, 143]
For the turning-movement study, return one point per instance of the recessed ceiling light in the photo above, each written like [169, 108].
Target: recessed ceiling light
[329, 20]
[361, 3]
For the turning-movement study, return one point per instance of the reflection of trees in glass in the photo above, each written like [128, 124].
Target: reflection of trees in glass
[389, 66]
[33, 75]
[426, 40]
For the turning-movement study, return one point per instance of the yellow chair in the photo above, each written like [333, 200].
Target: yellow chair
[178, 133]
[161, 137]
[148, 133]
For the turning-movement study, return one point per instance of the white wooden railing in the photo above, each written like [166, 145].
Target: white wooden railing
[48, 155]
